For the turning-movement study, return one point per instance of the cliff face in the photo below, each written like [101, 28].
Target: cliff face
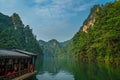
[90, 23]
[91, 19]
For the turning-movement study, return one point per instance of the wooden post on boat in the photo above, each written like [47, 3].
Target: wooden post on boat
[28, 64]
[5, 66]
[34, 63]
[19, 67]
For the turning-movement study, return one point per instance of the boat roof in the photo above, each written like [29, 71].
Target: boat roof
[10, 53]
[25, 52]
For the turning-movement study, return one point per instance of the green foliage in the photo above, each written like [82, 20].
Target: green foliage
[50, 48]
[54, 48]
[13, 34]
[65, 50]
[102, 42]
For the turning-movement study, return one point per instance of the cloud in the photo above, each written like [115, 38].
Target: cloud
[58, 19]
[43, 12]
[40, 1]
[55, 16]
[82, 7]
[60, 8]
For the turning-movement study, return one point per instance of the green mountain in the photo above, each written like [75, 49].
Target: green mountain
[50, 48]
[66, 49]
[54, 48]
[99, 37]
[14, 34]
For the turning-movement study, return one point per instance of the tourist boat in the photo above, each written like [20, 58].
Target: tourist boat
[16, 64]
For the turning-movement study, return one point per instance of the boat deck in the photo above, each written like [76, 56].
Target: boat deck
[25, 76]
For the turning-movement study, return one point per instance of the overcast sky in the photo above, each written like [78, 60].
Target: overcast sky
[51, 19]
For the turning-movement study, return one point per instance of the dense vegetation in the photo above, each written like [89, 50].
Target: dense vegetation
[50, 47]
[101, 42]
[65, 50]
[53, 48]
[15, 35]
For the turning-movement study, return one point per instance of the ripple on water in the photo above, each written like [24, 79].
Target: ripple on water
[62, 75]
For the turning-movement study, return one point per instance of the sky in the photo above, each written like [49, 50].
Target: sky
[51, 19]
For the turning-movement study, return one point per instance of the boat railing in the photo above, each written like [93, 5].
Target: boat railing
[14, 75]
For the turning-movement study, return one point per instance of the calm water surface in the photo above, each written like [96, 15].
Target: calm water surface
[69, 69]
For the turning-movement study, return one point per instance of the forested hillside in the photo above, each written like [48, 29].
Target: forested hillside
[65, 50]
[100, 40]
[53, 48]
[15, 35]
[50, 48]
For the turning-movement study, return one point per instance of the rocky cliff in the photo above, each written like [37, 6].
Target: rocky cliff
[91, 19]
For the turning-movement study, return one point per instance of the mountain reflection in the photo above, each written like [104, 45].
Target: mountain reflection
[69, 69]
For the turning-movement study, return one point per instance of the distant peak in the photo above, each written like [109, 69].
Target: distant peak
[15, 14]
[17, 21]
[91, 18]
[53, 40]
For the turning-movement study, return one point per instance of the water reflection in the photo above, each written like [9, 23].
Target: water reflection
[59, 76]
[69, 69]
[93, 71]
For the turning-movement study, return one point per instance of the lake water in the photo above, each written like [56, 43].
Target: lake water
[69, 69]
